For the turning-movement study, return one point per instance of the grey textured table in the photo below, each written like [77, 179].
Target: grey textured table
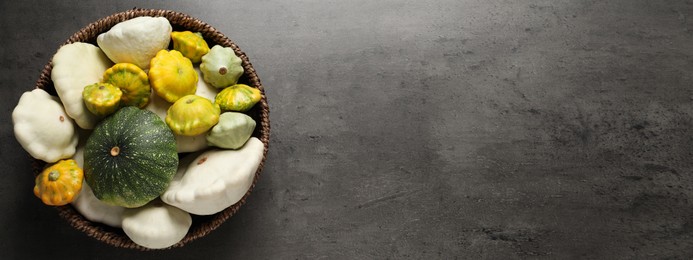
[474, 129]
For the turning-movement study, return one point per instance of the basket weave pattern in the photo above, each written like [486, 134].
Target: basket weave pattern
[202, 225]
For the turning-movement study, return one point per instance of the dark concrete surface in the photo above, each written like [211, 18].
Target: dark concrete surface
[474, 129]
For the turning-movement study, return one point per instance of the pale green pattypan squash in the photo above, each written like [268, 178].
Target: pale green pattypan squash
[215, 179]
[75, 66]
[136, 40]
[43, 128]
[232, 131]
[221, 67]
[156, 225]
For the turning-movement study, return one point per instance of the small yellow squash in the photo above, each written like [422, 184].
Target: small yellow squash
[192, 115]
[132, 81]
[172, 75]
[239, 98]
[102, 99]
[190, 44]
[60, 183]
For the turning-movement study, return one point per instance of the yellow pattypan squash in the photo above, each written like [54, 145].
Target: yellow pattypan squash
[190, 44]
[60, 183]
[132, 81]
[172, 75]
[192, 115]
[239, 97]
[102, 99]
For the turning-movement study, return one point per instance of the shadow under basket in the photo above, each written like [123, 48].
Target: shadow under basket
[202, 225]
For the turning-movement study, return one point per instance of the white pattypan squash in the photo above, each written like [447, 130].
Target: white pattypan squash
[95, 210]
[186, 144]
[91, 207]
[156, 225]
[205, 89]
[215, 179]
[75, 66]
[43, 128]
[136, 40]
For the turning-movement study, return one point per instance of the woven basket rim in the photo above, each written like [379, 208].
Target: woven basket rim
[204, 225]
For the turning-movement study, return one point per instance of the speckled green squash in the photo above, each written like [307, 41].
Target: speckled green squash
[130, 158]
[102, 99]
[132, 80]
[239, 97]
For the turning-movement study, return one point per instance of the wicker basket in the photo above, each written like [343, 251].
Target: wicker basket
[202, 225]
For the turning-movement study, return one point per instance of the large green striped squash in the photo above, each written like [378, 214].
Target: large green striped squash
[130, 158]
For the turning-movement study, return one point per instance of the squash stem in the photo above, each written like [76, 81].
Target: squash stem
[53, 175]
[115, 151]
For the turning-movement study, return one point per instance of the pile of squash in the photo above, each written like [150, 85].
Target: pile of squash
[141, 134]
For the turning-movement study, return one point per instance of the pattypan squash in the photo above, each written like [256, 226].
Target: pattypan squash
[215, 179]
[172, 76]
[136, 40]
[205, 89]
[221, 67]
[42, 127]
[156, 225]
[185, 144]
[158, 105]
[192, 115]
[190, 44]
[239, 97]
[75, 66]
[91, 207]
[132, 81]
[60, 183]
[102, 99]
[232, 131]
[96, 210]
